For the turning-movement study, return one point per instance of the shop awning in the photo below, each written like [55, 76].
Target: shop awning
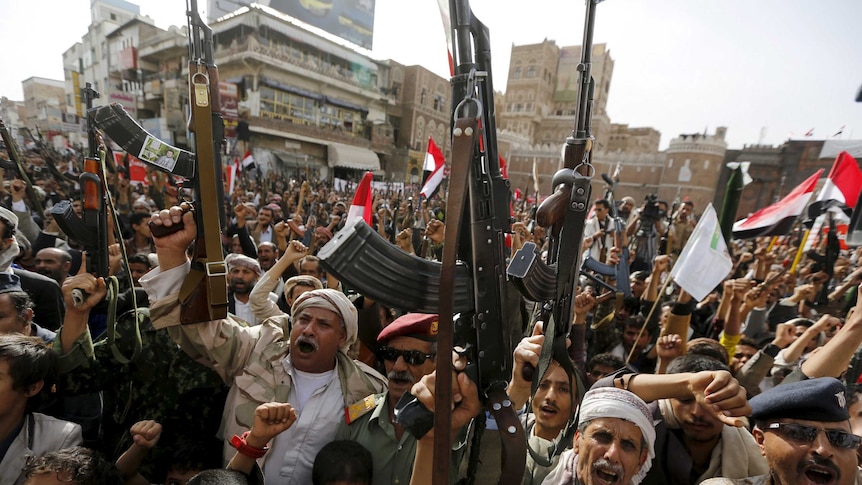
[349, 156]
[298, 160]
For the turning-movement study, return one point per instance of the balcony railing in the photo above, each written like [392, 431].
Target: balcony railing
[284, 53]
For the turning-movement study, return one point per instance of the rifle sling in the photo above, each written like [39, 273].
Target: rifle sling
[208, 272]
[463, 143]
[113, 284]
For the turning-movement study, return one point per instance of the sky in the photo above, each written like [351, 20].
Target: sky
[768, 70]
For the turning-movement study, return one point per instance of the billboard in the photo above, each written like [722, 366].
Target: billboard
[352, 20]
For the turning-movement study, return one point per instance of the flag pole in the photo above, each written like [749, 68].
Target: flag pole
[646, 321]
[799, 252]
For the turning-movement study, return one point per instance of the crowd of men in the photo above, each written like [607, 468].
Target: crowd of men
[754, 384]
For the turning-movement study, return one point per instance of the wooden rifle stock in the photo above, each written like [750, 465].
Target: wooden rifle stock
[204, 292]
[552, 210]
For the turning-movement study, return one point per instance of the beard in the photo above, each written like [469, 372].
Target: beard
[239, 286]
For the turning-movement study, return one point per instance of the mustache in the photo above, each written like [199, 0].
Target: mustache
[400, 375]
[817, 460]
[605, 464]
[551, 404]
[302, 339]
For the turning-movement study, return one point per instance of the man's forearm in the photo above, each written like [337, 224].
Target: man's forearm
[74, 325]
[834, 357]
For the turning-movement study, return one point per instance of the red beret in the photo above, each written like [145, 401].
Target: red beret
[418, 325]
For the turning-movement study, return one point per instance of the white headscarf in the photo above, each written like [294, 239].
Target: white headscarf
[335, 301]
[610, 402]
[8, 255]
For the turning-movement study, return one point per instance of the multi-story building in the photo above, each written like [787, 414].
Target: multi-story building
[44, 100]
[530, 88]
[559, 122]
[89, 60]
[12, 113]
[311, 103]
[422, 110]
[538, 113]
[694, 164]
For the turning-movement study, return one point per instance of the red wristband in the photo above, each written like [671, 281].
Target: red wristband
[242, 447]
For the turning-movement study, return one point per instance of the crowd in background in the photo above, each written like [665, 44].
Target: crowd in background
[153, 401]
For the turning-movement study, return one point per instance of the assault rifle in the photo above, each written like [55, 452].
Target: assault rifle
[554, 282]
[91, 230]
[471, 281]
[203, 295]
[64, 179]
[620, 271]
[14, 164]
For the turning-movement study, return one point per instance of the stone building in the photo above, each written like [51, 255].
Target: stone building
[530, 88]
[776, 170]
[623, 138]
[766, 173]
[559, 122]
[422, 110]
[693, 167]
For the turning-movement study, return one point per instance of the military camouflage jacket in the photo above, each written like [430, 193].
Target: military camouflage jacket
[249, 359]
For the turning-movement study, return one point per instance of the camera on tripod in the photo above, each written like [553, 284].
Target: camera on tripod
[650, 213]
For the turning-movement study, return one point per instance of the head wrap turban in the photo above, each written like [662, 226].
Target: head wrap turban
[610, 402]
[335, 301]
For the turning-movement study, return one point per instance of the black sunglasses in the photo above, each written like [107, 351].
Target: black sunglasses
[412, 357]
[807, 434]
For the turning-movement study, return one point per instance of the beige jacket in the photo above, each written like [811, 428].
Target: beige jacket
[249, 359]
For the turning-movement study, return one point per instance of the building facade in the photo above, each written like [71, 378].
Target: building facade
[44, 102]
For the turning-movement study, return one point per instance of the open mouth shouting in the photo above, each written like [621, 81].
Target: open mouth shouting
[548, 410]
[820, 472]
[605, 472]
[306, 345]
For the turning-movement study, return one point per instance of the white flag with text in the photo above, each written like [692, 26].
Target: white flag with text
[704, 262]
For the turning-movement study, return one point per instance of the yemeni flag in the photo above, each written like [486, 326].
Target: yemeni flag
[778, 218]
[432, 171]
[248, 161]
[362, 205]
[841, 189]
